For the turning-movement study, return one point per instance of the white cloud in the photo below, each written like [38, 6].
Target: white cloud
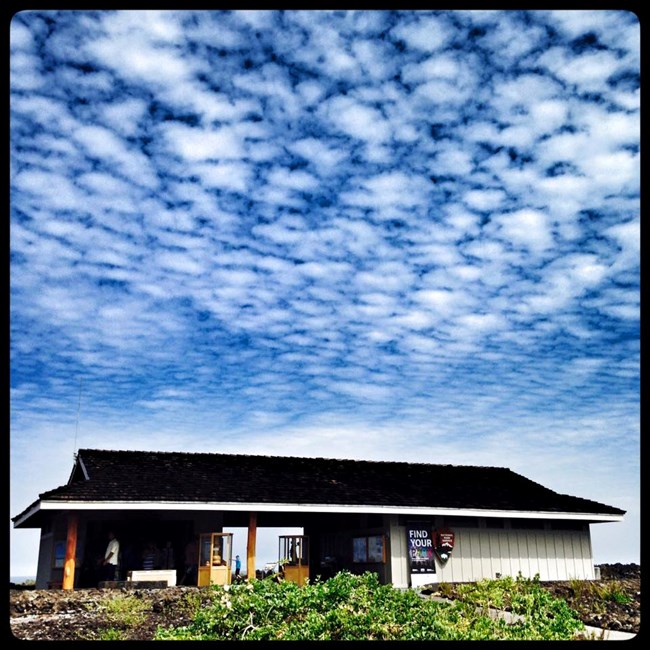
[195, 144]
[356, 119]
[445, 66]
[442, 90]
[485, 200]
[181, 262]
[140, 46]
[427, 33]
[529, 228]
[479, 323]
[124, 116]
[234, 176]
[589, 70]
[549, 115]
[40, 184]
[20, 38]
[296, 180]
[24, 72]
[618, 170]
[105, 184]
[451, 161]
[628, 237]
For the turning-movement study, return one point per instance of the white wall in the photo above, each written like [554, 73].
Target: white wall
[482, 553]
[398, 554]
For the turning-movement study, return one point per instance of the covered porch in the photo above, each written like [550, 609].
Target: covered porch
[73, 541]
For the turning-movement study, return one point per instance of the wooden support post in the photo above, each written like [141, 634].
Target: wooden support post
[250, 549]
[70, 551]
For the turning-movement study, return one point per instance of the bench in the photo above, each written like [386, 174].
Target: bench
[132, 584]
[153, 575]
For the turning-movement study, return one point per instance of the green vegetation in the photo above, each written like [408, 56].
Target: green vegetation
[613, 591]
[123, 613]
[350, 607]
[445, 590]
[597, 594]
[111, 634]
[128, 611]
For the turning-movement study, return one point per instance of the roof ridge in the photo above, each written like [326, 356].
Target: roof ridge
[351, 460]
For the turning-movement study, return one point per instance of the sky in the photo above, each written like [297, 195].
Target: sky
[379, 235]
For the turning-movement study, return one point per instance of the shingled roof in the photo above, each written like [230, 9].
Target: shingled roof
[142, 476]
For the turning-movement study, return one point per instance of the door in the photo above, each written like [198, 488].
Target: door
[293, 558]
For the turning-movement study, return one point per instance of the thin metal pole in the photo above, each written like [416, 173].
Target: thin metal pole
[76, 431]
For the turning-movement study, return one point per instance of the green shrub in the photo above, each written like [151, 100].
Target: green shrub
[111, 634]
[127, 611]
[351, 607]
[614, 591]
[122, 613]
[445, 590]
[609, 591]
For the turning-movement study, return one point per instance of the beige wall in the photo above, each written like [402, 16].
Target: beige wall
[553, 554]
[483, 552]
[398, 551]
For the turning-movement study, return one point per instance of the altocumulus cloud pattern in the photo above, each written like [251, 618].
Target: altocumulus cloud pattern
[374, 234]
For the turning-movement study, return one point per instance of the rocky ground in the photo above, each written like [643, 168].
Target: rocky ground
[611, 603]
[93, 614]
[603, 605]
[88, 614]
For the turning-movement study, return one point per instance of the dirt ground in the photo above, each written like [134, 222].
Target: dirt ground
[82, 614]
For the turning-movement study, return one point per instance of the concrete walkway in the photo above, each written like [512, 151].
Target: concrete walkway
[608, 635]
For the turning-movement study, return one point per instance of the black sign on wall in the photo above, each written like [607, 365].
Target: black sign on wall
[419, 540]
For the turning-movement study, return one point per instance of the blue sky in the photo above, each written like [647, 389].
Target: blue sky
[377, 235]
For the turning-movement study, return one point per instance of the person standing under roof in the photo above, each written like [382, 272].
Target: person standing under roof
[237, 566]
[150, 557]
[167, 556]
[111, 557]
[191, 561]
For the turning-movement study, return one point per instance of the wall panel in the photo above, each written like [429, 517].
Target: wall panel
[554, 554]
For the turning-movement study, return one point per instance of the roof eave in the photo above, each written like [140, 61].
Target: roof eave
[324, 508]
[21, 519]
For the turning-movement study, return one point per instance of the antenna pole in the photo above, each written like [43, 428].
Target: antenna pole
[76, 431]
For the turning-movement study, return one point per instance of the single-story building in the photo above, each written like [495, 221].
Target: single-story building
[411, 523]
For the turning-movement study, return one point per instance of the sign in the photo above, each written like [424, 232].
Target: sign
[444, 544]
[420, 547]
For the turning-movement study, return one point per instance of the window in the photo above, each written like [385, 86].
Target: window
[59, 555]
[368, 549]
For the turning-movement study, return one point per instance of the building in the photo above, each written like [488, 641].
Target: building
[412, 523]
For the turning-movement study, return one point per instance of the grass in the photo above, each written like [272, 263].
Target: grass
[123, 613]
[613, 591]
[127, 610]
[112, 634]
[610, 591]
